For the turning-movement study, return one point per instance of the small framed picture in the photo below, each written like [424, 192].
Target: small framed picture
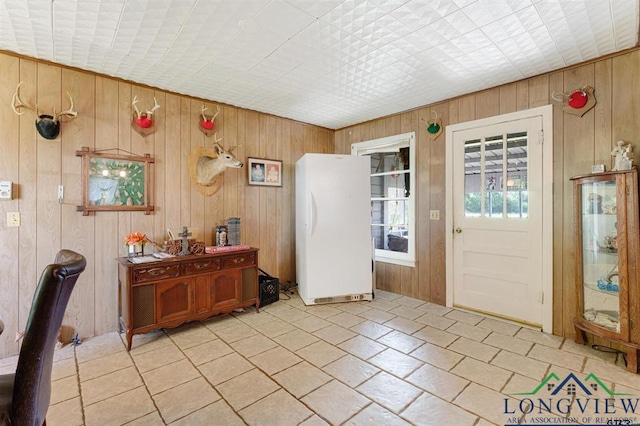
[264, 172]
[597, 168]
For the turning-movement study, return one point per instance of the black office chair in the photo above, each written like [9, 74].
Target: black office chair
[25, 395]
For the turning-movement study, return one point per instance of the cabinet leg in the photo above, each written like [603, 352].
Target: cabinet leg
[632, 360]
[258, 307]
[129, 341]
[581, 336]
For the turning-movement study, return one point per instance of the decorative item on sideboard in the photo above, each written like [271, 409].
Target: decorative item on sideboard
[221, 236]
[135, 244]
[233, 231]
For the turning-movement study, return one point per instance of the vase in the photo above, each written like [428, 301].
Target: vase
[135, 250]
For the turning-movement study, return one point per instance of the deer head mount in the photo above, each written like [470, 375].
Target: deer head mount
[206, 123]
[143, 121]
[207, 164]
[48, 126]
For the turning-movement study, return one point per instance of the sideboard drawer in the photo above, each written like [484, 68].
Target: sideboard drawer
[239, 260]
[198, 266]
[154, 273]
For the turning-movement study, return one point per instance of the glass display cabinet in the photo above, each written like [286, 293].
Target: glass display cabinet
[606, 230]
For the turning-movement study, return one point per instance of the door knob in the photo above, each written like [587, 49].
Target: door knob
[458, 230]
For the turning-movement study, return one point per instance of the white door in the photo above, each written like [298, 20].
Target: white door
[497, 219]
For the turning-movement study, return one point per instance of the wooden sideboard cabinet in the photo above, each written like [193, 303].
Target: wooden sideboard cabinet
[607, 255]
[173, 291]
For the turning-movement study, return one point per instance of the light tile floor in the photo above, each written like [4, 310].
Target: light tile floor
[395, 360]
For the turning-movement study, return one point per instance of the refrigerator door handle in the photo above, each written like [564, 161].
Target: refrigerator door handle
[313, 211]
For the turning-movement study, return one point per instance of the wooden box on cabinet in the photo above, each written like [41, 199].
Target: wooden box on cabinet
[173, 291]
[606, 259]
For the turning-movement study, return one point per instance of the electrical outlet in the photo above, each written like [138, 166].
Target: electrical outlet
[13, 219]
[434, 214]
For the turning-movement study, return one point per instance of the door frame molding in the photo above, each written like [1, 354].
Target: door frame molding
[546, 112]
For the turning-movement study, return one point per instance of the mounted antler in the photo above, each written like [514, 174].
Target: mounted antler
[48, 126]
[67, 112]
[133, 104]
[220, 148]
[17, 103]
[216, 140]
[207, 124]
[144, 119]
[155, 107]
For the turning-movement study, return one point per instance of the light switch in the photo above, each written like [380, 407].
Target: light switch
[13, 219]
[434, 214]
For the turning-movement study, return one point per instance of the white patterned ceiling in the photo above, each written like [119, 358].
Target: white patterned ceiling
[331, 63]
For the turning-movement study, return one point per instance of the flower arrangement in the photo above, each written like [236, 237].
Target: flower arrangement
[135, 238]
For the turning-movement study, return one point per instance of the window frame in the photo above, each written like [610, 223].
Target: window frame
[393, 144]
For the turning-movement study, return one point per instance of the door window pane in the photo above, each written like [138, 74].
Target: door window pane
[493, 204]
[517, 190]
[472, 176]
[493, 156]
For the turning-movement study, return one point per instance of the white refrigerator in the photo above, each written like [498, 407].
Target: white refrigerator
[333, 228]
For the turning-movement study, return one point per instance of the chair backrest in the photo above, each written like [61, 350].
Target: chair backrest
[32, 386]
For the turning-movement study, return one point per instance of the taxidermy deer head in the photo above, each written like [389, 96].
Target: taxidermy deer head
[208, 168]
[144, 119]
[207, 124]
[48, 126]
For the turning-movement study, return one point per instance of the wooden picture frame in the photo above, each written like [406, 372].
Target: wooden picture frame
[264, 172]
[114, 182]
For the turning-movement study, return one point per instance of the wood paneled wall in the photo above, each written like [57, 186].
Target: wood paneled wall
[37, 166]
[579, 142]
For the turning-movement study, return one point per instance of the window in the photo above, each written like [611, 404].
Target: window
[392, 196]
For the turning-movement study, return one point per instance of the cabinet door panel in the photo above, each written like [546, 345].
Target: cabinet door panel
[225, 288]
[174, 299]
